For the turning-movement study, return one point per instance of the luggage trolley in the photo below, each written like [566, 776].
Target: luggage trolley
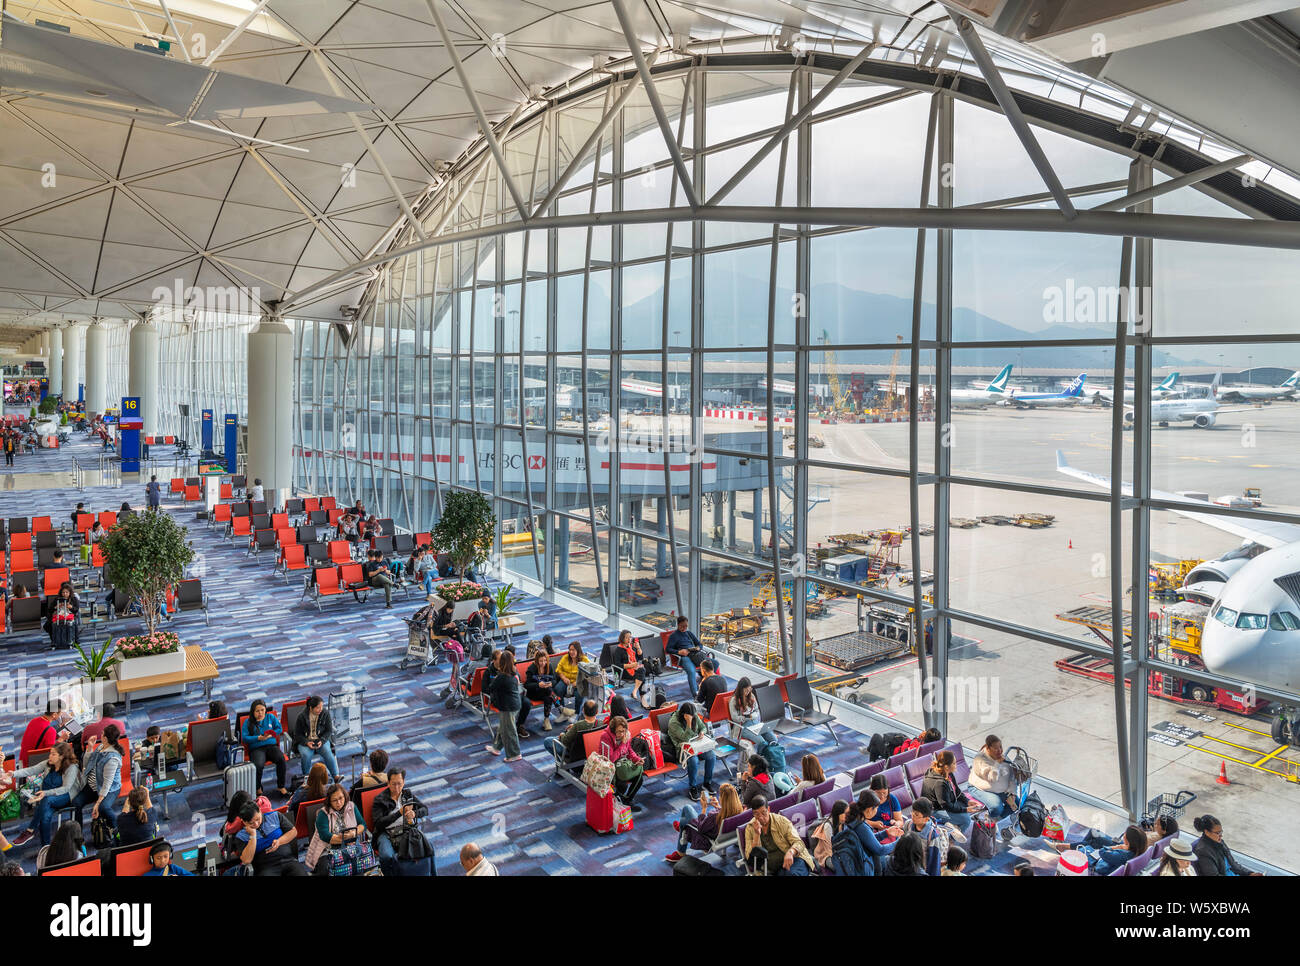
[1166, 806]
[1023, 770]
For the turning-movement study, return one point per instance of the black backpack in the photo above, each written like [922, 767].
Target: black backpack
[690, 865]
[983, 836]
[847, 855]
[882, 746]
[1033, 815]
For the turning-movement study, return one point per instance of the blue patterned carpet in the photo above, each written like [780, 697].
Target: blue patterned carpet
[269, 644]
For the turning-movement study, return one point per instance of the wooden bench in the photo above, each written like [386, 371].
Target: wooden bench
[199, 666]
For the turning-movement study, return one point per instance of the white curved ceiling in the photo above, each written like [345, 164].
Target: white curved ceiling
[140, 199]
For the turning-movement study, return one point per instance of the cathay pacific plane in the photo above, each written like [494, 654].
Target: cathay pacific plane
[995, 391]
[1035, 400]
[1168, 389]
[1286, 390]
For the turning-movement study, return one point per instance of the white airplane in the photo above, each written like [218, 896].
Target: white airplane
[977, 398]
[1253, 630]
[1166, 390]
[1286, 390]
[1070, 396]
[1201, 413]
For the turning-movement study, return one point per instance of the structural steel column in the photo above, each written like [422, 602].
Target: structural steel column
[142, 373]
[96, 368]
[270, 404]
[55, 369]
[71, 362]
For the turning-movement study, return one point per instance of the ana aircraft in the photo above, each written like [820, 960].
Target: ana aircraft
[1035, 400]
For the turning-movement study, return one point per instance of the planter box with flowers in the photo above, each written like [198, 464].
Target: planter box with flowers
[145, 655]
[465, 594]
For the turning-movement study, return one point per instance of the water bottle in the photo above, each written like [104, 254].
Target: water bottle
[148, 779]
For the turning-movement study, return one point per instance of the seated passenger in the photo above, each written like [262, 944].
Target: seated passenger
[311, 790]
[264, 842]
[629, 767]
[684, 726]
[571, 739]
[336, 832]
[875, 845]
[566, 678]
[626, 656]
[771, 844]
[160, 861]
[755, 780]
[909, 856]
[930, 832]
[1213, 857]
[539, 684]
[312, 731]
[698, 829]
[956, 863]
[991, 780]
[395, 814]
[1111, 858]
[951, 806]
[1178, 859]
[139, 819]
[812, 772]
[746, 720]
[261, 735]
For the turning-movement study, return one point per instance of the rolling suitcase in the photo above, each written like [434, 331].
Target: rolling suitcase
[241, 777]
[600, 811]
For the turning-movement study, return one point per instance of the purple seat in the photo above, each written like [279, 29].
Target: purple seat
[915, 772]
[961, 771]
[901, 758]
[730, 831]
[904, 796]
[896, 779]
[784, 801]
[803, 816]
[1141, 862]
[862, 775]
[1160, 848]
[929, 748]
[841, 793]
[813, 791]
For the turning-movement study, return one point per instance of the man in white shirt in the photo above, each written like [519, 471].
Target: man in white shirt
[257, 492]
[472, 861]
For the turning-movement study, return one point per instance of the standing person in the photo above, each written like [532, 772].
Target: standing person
[506, 694]
[153, 493]
[688, 650]
[102, 774]
[10, 446]
[261, 735]
[311, 736]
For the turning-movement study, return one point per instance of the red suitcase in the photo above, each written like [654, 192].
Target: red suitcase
[600, 811]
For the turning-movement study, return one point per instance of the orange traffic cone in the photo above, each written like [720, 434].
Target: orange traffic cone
[1223, 774]
[1071, 546]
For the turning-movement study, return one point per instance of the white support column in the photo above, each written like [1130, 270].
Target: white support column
[96, 367]
[270, 404]
[142, 373]
[55, 362]
[71, 362]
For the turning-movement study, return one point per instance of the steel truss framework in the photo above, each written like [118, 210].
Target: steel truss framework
[453, 323]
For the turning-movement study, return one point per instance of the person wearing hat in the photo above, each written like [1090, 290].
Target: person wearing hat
[1177, 859]
[1072, 862]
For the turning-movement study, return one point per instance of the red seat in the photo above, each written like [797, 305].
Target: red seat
[108, 519]
[328, 503]
[96, 555]
[90, 865]
[340, 552]
[84, 522]
[132, 861]
[227, 492]
[221, 513]
[423, 540]
[300, 820]
[20, 541]
[310, 504]
[643, 724]
[293, 557]
[41, 523]
[367, 803]
[169, 440]
[327, 583]
[178, 484]
[334, 515]
[279, 521]
[286, 536]
[21, 561]
[55, 577]
[241, 526]
[351, 576]
[193, 494]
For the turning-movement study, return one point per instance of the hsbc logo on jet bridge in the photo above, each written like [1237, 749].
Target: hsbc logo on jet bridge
[537, 462]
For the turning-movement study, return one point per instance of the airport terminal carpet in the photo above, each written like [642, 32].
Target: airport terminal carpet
[268, 643]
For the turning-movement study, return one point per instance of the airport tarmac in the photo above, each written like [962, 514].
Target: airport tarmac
[1010, 686]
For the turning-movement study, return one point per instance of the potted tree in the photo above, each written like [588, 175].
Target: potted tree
[145, 555]
[465, 533]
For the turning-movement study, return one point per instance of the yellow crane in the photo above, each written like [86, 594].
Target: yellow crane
[839, 398]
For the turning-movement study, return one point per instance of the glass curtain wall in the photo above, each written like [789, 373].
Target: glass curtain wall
[806, 439]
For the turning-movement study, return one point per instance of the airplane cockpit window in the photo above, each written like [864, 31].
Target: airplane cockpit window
[1226, 615]
[1252, 622]
[1284, 620]
[1248, 551]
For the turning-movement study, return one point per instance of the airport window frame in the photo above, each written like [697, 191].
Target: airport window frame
[687, 239]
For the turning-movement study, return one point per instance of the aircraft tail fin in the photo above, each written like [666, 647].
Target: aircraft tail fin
[999, 383]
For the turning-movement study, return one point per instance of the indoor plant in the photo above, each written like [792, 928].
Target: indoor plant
[465, 532]
[505, 600]
[96, 667]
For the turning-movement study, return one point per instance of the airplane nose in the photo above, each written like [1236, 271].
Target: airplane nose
[1233, 652]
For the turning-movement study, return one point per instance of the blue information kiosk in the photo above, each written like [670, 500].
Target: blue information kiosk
[232, 442]
[129, 425]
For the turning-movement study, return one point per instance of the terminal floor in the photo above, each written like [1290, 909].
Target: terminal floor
[270, 644]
